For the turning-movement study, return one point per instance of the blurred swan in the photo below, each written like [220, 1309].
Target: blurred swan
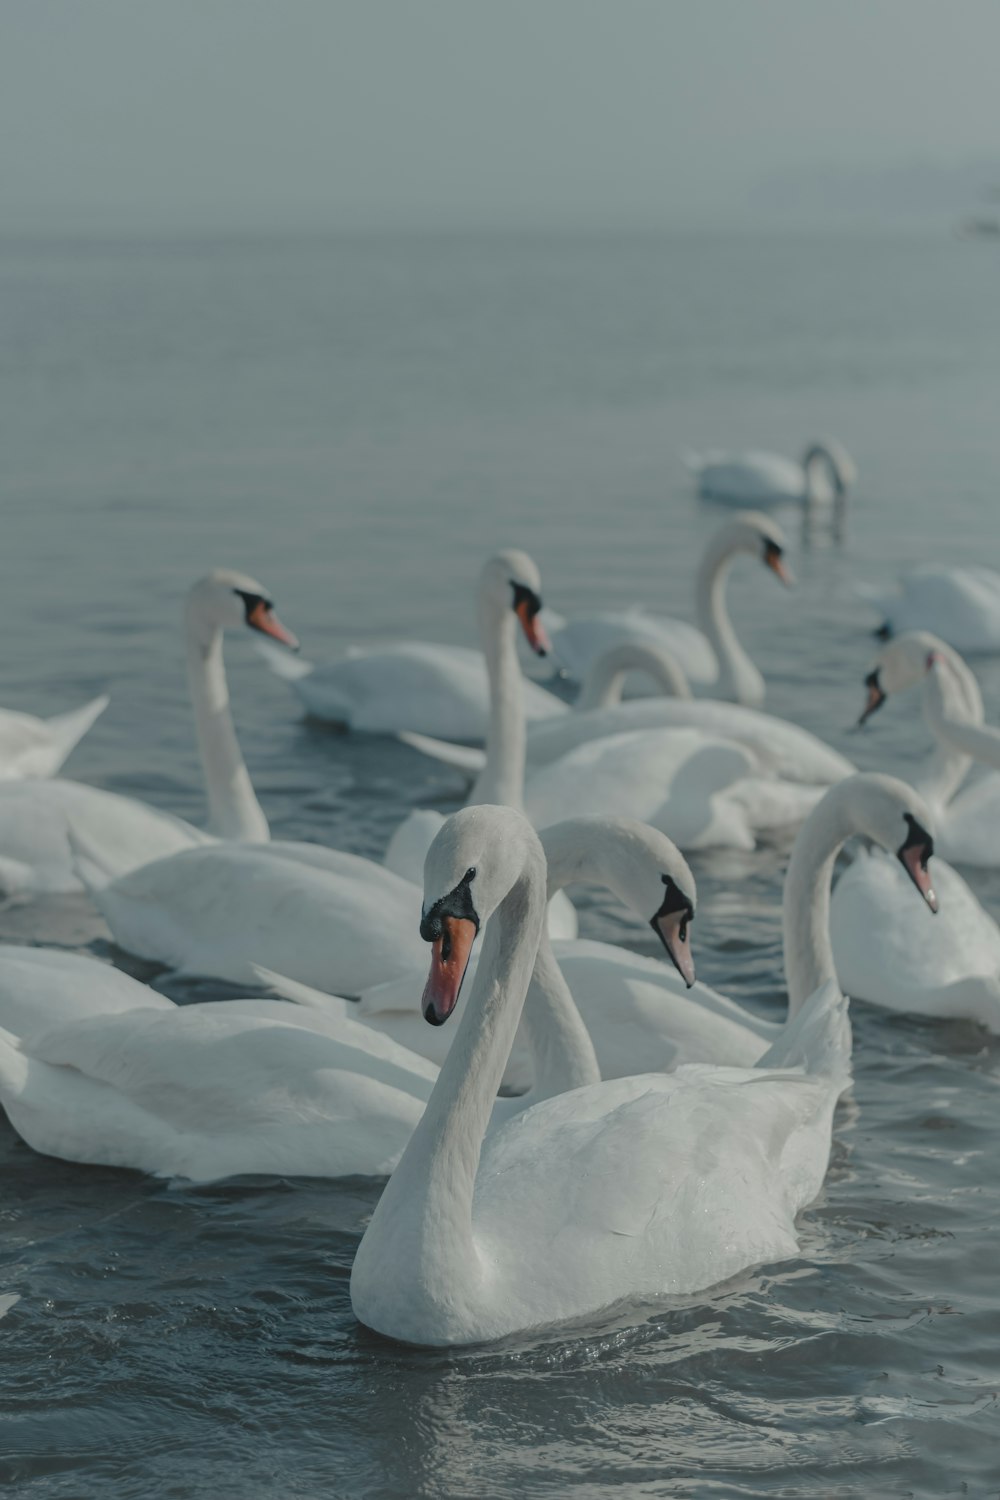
[36, 816]
[825, 473]
[961, 605]
[710, 653]
[634, 1188]
[37, 747]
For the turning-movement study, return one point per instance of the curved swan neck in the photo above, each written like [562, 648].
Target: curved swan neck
[739, 679]
[953, 711]
[561, 1049]
[806, 904]
[502, 778]
[423, 1221]
[233, 809]
[605, 679]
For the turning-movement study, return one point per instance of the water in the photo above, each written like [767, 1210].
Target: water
[356, 422]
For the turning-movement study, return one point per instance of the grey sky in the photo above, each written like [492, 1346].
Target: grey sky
[158, 113]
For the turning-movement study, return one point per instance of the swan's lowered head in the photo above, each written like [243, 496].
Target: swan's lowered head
[902, 664]
[841, 469]
[511, 581]
[225, 599]
[892, 814]
[640, 865]
[474, 863]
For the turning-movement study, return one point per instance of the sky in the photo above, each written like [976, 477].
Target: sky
[358, 114]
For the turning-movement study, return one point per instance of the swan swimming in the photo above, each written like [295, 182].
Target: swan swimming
[36, 816]
[710, 653]
[635, 1188]
[959, 604]
[824, 474]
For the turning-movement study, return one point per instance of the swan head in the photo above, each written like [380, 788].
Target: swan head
[640, 865]
[225, 600]
[891, 814]
[474, 862]
[511, 581]
[761, 537]
[901, 664]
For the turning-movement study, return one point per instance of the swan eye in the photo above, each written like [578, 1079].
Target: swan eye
[470, 874]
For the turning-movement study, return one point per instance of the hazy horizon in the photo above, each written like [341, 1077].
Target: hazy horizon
[243, 115]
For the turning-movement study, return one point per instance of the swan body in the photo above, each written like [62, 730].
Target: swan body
[961, 605]
[111, 1074]
[329, 919]
[630, 1189]
[712, 653]
[30, 746]
[825, 473]
[40, 819]
[965, 816]
[887, 955]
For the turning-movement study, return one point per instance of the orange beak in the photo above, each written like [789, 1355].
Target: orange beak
[449, 961]
[263, 618]
[776, 562]
[675, 933]
[914, 860]
[534, 630]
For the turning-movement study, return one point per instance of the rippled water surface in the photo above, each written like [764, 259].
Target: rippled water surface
[357, 422]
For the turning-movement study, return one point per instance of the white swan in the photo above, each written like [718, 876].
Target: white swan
[825, 473]
[965, 817]
[782, 749]
[37, 747]
[96, 1067]
[709, 654]
[104, 1071]
[961, 605]
[36, 816]
[440, 690]
[633, 1189]
[640, 1015]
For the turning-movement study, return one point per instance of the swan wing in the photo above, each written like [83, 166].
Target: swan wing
[577, 643]
[750, 478]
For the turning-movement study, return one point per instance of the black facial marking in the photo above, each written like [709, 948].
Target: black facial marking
[250, 603]
[457, 903]
[917, 837]
[772, 551]
[524, 595]
[873, 683]
[674, 900]
[883, 632]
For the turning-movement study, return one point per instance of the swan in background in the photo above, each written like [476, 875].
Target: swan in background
[965, 818]
[642, 1016]
[709, 654]
[440, 690]
[782, 749]
[36, 816]
[635, 1188]
[961, 605]
[824, 474]
[37, 747]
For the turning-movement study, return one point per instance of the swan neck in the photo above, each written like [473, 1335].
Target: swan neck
[425, 1213]
[953, 711]
[605, 678]
[739, 679]
[233, 809]
[502, 778]
[562, 1052]
[806, 905]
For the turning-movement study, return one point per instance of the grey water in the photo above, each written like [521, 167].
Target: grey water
[357, 421]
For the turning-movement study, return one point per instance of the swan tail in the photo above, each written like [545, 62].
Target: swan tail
[463, 757]
[67, 730]
[281, 661]
[817, 1039]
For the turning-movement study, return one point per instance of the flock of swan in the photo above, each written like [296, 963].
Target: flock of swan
[577, 1126]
